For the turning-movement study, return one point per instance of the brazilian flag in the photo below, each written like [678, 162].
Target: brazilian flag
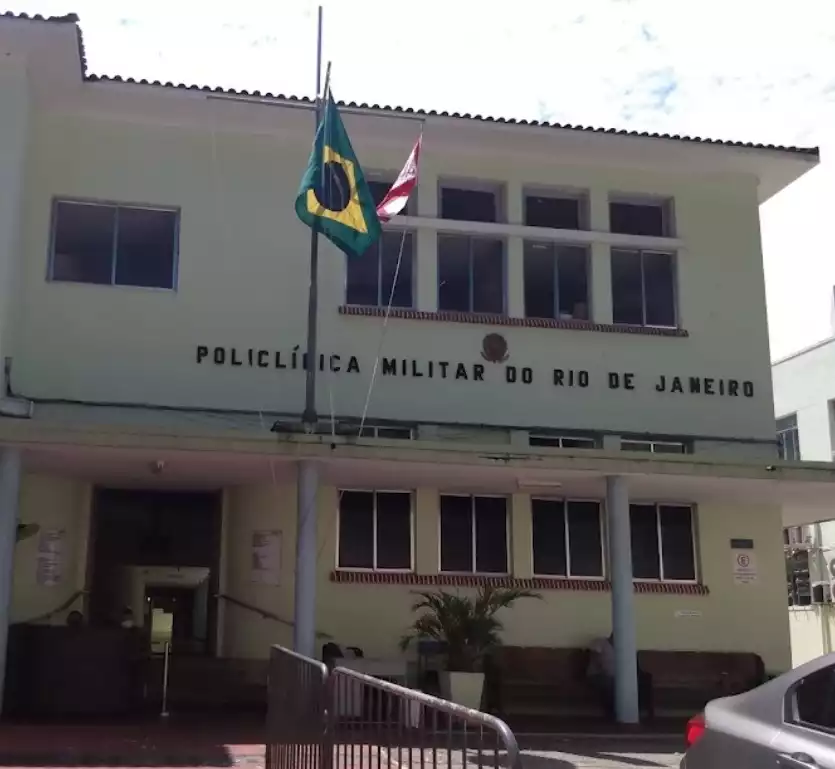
[334, 198]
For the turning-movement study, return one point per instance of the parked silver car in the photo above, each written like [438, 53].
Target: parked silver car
[787, 722]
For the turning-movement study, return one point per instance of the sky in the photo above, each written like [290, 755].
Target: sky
[750, 70]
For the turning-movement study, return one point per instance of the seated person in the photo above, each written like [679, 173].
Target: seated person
[601, 675]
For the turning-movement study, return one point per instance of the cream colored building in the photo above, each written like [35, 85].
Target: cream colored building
[580, 316]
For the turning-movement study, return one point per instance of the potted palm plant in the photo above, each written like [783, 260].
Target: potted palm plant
[466, 627]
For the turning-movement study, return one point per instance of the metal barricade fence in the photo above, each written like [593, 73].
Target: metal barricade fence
[375, 724]
[297, 688]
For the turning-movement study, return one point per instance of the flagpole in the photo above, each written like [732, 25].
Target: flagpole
[304, 589]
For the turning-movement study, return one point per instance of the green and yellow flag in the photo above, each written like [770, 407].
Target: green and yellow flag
[334, 197]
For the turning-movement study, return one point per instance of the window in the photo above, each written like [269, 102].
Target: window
[662, 542]
[375, 530]
[371, 275]
[470, 274]
[113, 245]
[469, 205]
[474, 534]
[557, 212]
[379, 431]
[637, 217]
[379, 188]
[798, 576]
[562, 441]
[788, 438]
[643, 288]
[654, 447]
[556, 281]
[566, 538]
[812, 701]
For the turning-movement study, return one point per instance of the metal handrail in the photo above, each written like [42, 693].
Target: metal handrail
[265, 614]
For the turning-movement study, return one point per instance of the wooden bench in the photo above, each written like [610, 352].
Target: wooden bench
[545, 681]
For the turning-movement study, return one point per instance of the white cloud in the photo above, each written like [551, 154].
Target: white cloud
[736, 69]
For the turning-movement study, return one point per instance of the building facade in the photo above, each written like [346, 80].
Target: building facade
[567, 389]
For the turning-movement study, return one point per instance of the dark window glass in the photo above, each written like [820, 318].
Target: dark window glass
[578, 443]
[556, 281]
[573, 282]
[488, 275]
[627, 288]
[454, 273]
[669, 448]
[83, 240]
[456, 534]
[356, 530]
[557, 213]
[585, 551]
[677, 542]
[540, 280]
[548, 524]
[146, 247]
[394, 530]
[643, 522]
[638, 218]
[396, 433]
[363, 281]
[659, 281]
[378, 189]
[788, 438]
[815, 698]
[370, 275]
[468, 205]
[491, 535]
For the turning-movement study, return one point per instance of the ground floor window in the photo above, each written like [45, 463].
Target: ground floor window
[474, 534]
[375, 530]
[662, 542]
[567, 538]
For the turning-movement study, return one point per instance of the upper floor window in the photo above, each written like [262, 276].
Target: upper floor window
[371, 276]
[562, 441]
[375, 530]
[113, 244]
[390, 432]
[556, 281]
[641, 217]
[662, 542]
[567, 538]
[474, 534]
[471, 274]
[643, 288]
[654, 447]
[788, 438]
[471, 203]
[561, 212]
[380, 187]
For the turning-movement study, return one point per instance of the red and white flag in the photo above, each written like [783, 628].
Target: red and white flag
[397, 197]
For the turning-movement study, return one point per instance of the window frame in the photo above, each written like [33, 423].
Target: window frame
[581, 195]
[375, 569]
[497, 188]
[471, 236]
[641, 251]
[508, 514]
[791, 711]
[354, 432]
[562, 437]
[652, 443]
[665, 202]
[57, 200]
[554, 247]
[693, 542]
[603, 550]
[383, 302]
[793, 430]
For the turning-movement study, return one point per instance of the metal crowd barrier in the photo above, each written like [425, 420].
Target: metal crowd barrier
[347, 720]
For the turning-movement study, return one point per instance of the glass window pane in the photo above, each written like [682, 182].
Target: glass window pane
[146, 247]
[378, 189]
[83, 243]
[488, 276]
[585, 551]
[454, 273]
[637, 218]
[677, 542]
[659, 280]
[644, 531]
[627, 291]
[573, 282]
[456, 534]
[362, 286]
[540, 280]
[397, 245]
[394, 530]
[548, 523]
[356, 530]
[557, 213]
[491, 535]
[468, 205]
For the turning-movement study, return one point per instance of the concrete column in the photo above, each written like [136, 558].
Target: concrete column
[521, 536]
[9, 495]
[623, 600]
[601, 267]
[304, 606]
[515, 265]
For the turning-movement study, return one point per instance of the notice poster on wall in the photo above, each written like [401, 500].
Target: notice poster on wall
[51, 553]
[266, 557]
[744, 566]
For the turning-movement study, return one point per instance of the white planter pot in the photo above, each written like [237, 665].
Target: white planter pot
[463, 688]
